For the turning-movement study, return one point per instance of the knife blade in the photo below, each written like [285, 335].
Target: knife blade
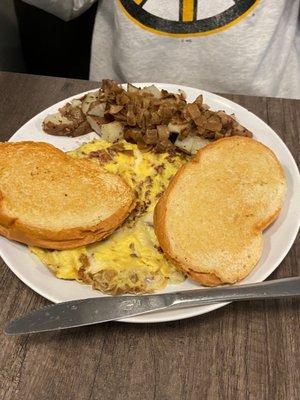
[72, 314]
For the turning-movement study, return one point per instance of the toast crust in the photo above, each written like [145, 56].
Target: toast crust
[14, 228]
[211, 276]
[64, 239]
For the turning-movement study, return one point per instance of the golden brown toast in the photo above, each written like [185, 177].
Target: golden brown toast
[209, 222]
[51, 200]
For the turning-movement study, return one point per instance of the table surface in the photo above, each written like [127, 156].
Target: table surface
[245, 350]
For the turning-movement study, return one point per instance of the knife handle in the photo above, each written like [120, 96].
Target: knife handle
[265, 290]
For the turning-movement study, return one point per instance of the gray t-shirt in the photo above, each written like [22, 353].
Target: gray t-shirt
[234, 46]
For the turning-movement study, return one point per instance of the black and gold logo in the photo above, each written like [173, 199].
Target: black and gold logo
[186, 17]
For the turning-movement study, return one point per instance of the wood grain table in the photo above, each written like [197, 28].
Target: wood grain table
[242, 351]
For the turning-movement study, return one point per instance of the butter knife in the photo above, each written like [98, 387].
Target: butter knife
[95, 310]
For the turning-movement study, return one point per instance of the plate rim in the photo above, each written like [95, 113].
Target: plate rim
[193, 311]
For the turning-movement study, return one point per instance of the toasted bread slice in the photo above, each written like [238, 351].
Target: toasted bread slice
[51, 200]
[209, 222]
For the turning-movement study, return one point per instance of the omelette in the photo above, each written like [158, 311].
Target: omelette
[130, 260]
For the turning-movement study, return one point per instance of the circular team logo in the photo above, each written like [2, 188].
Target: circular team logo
[186, 17]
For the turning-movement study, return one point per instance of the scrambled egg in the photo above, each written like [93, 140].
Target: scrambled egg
[130, 260]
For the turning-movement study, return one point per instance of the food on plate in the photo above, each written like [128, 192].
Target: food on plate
[209, 221]
[52, 200]
[130, 260]
[151, 118]
[69, 120]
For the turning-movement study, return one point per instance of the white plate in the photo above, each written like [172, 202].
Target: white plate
[278, 238]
